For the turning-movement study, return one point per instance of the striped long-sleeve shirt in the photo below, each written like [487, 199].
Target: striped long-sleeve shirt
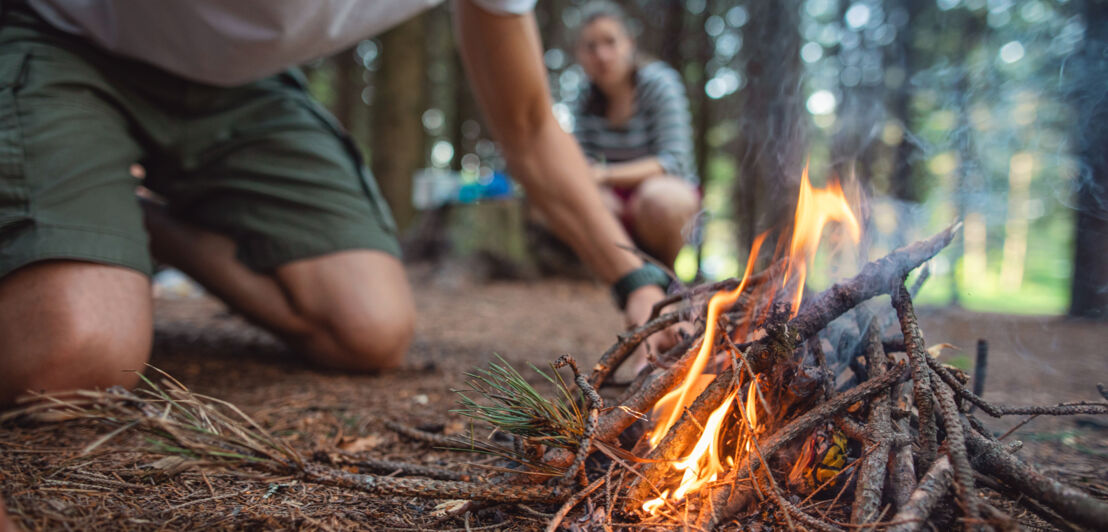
[660, 125]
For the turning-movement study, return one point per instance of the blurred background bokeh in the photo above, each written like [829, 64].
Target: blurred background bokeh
[986, 111]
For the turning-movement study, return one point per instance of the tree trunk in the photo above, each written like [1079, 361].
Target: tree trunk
[772, 142]
[904, 185]
[397, 108]
[1090, 261]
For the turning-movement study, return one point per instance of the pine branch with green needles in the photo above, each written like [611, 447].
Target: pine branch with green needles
[513, 405]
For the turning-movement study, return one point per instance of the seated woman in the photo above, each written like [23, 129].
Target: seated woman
[633, 122]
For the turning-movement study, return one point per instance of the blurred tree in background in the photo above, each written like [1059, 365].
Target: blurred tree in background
[987, 111]
[1090, 272]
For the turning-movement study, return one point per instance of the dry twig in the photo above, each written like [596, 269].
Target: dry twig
[871, 475]
[921, 380]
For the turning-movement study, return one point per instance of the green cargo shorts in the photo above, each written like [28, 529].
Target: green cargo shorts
[262, 163]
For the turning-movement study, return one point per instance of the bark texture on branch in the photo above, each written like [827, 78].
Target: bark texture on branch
[956, 449]
[421, 435]
[1071, 503]
[877, 277]
[932, 487]
[756, 280]
[613, 422]
[1061, 409]
[625, 345]
[871, 475]
[921, 380]
[902, 469]
[433, 489]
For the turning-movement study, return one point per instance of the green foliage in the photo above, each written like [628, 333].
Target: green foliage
[961, 362]
[511, 404]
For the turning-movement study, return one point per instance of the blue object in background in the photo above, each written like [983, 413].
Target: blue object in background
[496, 188]
[434, 187]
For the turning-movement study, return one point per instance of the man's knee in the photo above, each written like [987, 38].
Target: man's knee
[82, 353]
[70, 325]
[372, 340]
[357, 307]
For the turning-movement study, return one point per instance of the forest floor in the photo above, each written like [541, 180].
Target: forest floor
[48, 484]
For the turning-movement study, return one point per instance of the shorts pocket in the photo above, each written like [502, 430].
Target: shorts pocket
[13, 186]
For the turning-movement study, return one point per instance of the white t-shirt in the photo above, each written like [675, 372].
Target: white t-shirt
[231, 42]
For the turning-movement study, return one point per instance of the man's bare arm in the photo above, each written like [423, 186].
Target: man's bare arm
[503, 59]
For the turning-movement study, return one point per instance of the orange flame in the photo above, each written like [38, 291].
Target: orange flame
[702, 465]
[751, 409]
[814, 209]
[682, 396]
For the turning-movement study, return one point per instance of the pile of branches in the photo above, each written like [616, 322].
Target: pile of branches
[911, 415]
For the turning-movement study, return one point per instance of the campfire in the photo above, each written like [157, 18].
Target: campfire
[783, 407]
[737, 418]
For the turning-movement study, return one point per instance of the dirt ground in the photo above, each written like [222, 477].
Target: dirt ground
[48, 484]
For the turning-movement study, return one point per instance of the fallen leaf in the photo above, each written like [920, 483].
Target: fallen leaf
[446, 507]
[937, 349]
[357, 445]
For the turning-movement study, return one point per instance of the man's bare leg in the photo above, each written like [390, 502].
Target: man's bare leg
[662, 209]
[348, 310]
[67, 324]
[6, 524]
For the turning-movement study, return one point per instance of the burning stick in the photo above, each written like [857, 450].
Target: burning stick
[876, 278]
[780, 342]
[797, 427]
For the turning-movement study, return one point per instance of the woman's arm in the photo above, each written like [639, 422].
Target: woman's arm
[628, 174]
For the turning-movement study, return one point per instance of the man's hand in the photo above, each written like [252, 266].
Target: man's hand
[640, 304]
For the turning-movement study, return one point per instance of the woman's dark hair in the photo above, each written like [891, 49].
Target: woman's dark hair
[596, 103]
